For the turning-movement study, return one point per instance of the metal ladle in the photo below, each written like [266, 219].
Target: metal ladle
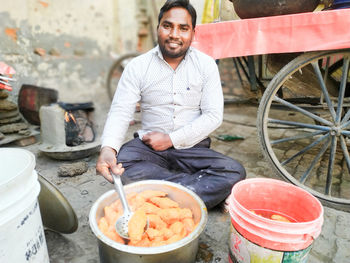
[121, 226]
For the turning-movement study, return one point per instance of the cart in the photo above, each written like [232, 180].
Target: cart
[303, 117]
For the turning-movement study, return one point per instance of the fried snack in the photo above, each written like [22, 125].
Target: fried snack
[158, 242]
[178, 228]
[112, 234]
[111, 215]
[154, 233]
[188, 224]
[137, 225]
[167, 222]
[280, 218]
[150, 208]
[169, 215]
[144, 242]
[103, 225]
[185, 213]
[148, 194]
[117, 206]
[136, 202]
[155, 221]
[167, 233]
[173, 239]
[164, 202]
[109, 231]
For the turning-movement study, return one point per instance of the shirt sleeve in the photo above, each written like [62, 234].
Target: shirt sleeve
[122, 108]
[211, 106]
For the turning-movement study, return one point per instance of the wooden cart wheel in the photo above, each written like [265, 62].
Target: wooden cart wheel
[304, 125]
[116, 72]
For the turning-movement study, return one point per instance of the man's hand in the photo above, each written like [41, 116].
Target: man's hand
[158, 141]
[107, 160]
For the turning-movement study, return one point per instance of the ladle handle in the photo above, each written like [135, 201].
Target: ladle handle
[119, 187]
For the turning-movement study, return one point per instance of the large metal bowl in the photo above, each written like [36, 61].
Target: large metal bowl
[262, 8]
[184, 250]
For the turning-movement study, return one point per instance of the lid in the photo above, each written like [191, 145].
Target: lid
[15, 164]
[56, 212]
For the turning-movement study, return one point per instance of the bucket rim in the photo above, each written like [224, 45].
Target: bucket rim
[30, 166]
[17, 198]
[312, 229]
[233, 202]
[146, 250]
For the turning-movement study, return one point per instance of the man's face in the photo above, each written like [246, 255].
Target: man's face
[175, 33]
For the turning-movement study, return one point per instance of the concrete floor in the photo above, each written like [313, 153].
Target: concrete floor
[82, 191]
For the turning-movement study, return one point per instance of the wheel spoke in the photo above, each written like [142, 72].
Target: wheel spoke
[346, 117]
[345, 151]
[313, 163]
[330, 165]
[346, 133]
[300, 124]
[306, 149]
[298, 137]
[325, 76]
[345, 125]
[301, 110]
[324, 89]
[342, 89]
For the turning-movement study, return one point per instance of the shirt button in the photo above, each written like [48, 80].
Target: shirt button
[174, 93]
[174, 117]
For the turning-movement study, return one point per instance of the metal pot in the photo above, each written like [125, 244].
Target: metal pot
[262, 8]
[184, 250]
[340, 4]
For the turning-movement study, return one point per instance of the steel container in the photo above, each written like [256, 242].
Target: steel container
[184, 250]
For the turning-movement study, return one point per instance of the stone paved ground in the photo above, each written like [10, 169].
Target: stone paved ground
[80, 247]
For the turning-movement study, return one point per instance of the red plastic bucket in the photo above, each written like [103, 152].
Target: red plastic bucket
[256, 237]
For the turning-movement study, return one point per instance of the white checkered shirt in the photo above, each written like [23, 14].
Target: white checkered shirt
[186, 103]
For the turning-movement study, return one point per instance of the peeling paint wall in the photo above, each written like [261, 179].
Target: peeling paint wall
[69, 45]
[66, 45]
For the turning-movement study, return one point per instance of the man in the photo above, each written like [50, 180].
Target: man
[181, 100]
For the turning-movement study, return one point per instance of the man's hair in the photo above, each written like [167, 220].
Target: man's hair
[169, 4]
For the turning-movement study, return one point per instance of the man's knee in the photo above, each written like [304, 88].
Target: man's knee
[131, 151]
[236, 168]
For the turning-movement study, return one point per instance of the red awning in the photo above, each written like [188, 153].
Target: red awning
[321, 30]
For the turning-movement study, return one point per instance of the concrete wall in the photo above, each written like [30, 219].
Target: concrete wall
[66, 45]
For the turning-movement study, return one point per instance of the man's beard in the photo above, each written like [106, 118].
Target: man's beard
[168, 54]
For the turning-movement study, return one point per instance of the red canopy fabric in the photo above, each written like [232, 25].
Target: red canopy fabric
[322, 30]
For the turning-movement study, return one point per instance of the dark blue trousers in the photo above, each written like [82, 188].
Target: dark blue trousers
[208, 173]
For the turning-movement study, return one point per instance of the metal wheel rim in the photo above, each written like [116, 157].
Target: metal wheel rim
[264, 110]
[118, 66]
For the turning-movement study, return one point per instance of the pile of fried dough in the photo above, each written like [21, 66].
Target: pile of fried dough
[167, 222]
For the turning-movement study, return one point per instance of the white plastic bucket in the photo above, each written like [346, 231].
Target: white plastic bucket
[22, 237]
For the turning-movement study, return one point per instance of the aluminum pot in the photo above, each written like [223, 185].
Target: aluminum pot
[340, 4]
[184, 250]
[262, 8]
